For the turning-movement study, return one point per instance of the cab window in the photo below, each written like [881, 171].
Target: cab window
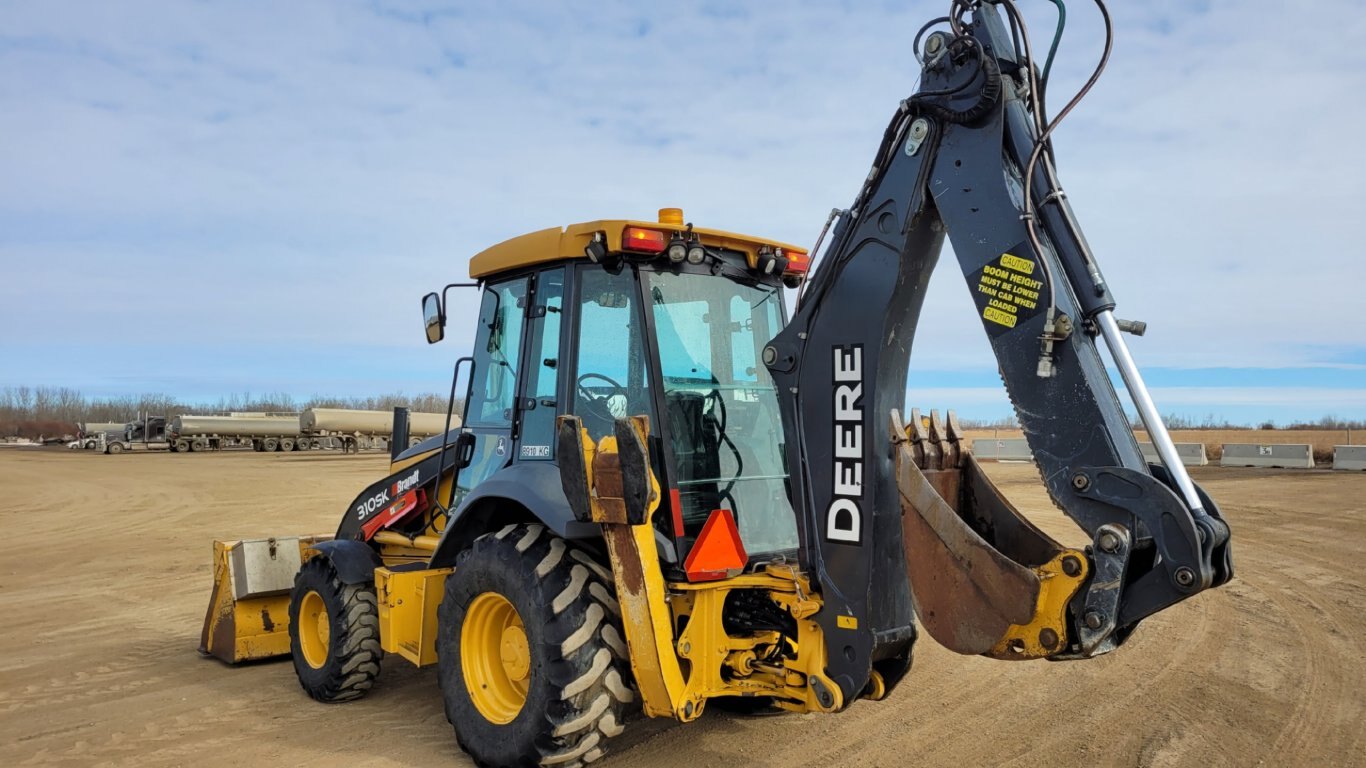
[611, 379]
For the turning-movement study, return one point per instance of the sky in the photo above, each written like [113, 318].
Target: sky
[207, 198]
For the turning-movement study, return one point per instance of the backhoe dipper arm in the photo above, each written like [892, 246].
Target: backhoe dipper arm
[954, 160]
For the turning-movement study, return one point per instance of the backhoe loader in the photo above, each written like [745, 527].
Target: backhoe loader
[666, 494]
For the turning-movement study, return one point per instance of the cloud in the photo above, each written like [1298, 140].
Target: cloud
[263, 175]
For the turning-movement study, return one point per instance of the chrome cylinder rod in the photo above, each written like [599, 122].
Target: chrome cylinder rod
[1147, 411]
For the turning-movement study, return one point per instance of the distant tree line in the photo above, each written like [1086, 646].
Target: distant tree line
[1177, 421]
[35, 412]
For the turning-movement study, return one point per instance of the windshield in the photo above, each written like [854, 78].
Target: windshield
[722, 407]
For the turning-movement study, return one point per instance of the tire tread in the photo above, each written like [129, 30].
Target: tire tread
[582, 652]
[353, 669]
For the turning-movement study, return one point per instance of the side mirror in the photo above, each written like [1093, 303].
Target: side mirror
[432, 318]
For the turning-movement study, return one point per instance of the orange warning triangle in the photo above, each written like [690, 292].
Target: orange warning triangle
[718, 552]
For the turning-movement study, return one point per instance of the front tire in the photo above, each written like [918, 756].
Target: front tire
[531, 660]
[333, 633]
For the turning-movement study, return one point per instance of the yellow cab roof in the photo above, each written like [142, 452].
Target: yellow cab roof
[565, 243]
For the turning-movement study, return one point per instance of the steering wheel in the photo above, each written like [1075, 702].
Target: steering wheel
[596, 401]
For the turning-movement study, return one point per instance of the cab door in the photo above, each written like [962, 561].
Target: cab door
[541, 385]
[492, 412]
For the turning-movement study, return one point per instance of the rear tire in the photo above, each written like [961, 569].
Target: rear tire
[200, 444]
[572, 670]
[287, 445]
[333, 633]
[270, 445]
[181, 446]
[114, 448]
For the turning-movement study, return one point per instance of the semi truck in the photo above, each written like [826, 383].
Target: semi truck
[146, 433]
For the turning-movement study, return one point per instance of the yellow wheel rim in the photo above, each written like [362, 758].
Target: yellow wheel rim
[495, 657]
[315, 630]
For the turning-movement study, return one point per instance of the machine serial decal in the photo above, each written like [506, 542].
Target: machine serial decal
[844, 518]
[372, 504]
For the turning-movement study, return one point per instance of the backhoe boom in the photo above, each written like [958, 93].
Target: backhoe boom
[954, 161]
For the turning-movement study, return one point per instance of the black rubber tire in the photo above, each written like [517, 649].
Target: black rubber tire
[287, 444]
[575, 702]
[270, 445]
[181, 446]
[353, 651]
[199, 444]
[114, 448]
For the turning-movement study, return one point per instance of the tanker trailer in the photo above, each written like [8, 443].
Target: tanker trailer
[202, 433]
[355, 427]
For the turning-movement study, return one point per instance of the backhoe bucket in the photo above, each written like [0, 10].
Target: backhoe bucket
[984, 579]
[248, 615]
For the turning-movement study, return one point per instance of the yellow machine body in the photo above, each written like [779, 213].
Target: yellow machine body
[675, 671]
[407, 612]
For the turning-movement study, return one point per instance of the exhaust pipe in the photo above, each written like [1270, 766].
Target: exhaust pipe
[398, 440]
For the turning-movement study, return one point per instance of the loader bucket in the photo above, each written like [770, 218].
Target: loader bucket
[248, 614]
[984, 579]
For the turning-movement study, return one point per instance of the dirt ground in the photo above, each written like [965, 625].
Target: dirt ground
[104, 578]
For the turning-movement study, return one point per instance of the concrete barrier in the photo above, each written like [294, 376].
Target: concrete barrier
[1349, 457]
[1279, 455]
[1002, 449]
[1192, 454]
